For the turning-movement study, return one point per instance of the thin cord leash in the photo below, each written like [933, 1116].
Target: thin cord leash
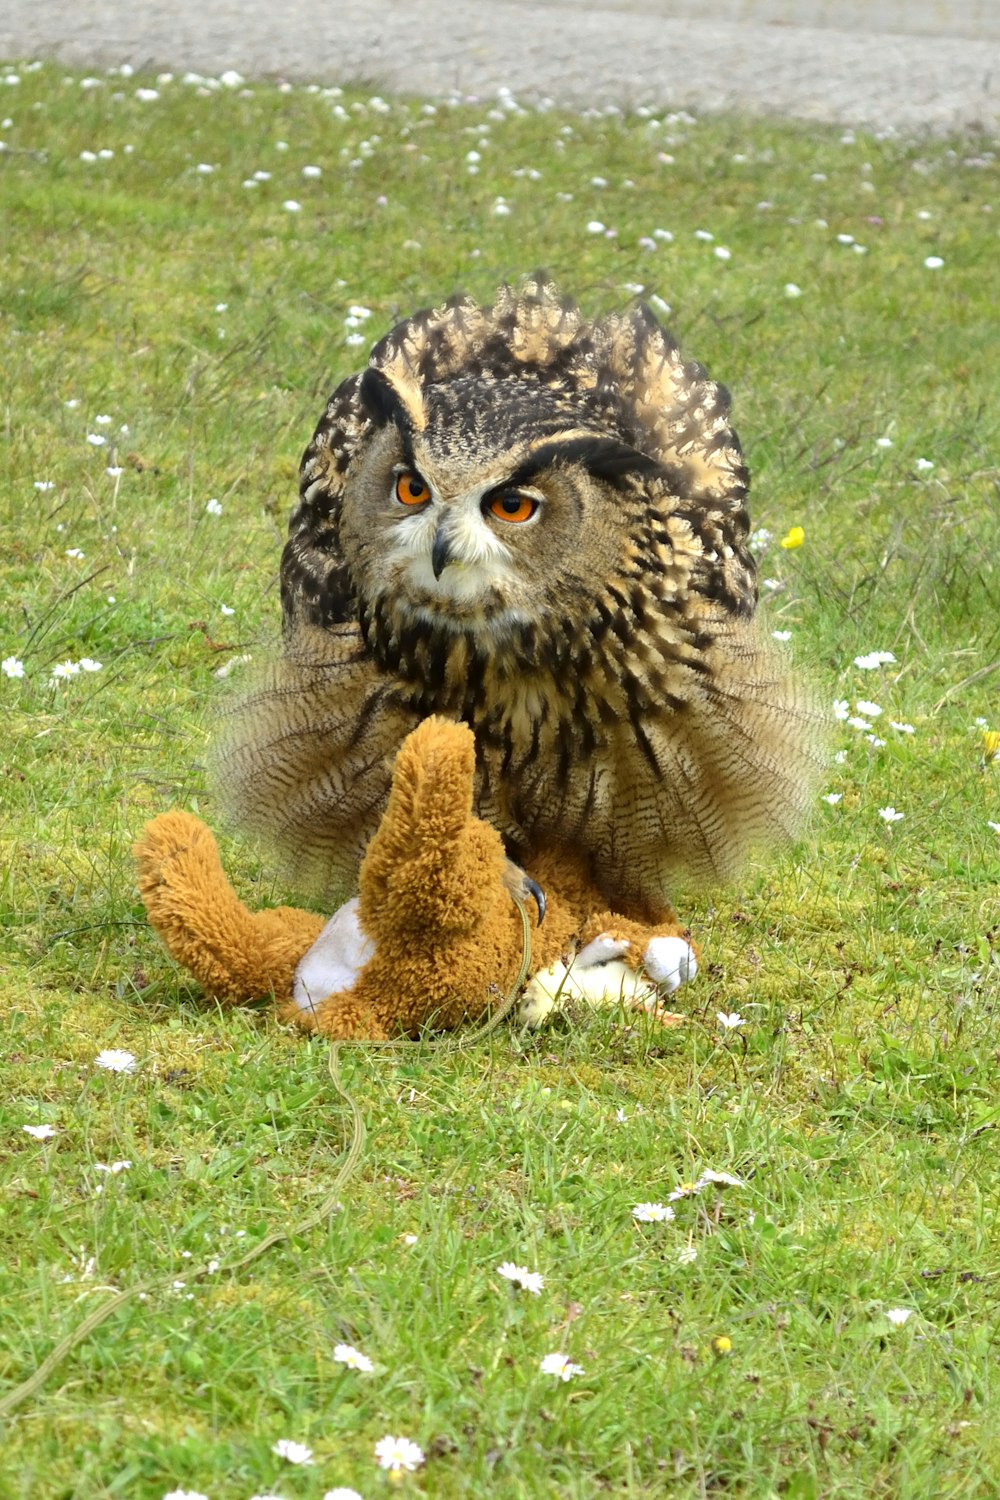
[330, 1204]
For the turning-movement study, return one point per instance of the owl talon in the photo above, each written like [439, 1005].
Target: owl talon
[534, 889]
[521, 886]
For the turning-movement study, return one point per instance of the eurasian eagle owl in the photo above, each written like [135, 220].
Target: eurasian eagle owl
[536, 523]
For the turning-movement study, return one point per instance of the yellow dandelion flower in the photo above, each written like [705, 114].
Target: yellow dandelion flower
[793, 538]
[991, 744]
[722, 1345]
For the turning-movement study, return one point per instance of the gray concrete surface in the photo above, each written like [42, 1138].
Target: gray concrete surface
[913, 65]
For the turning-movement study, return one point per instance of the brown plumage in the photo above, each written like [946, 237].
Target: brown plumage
[535, 523]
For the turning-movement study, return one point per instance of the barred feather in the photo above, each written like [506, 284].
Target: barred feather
[624, 701]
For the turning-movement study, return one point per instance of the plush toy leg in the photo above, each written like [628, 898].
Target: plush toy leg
[619, 962]
[663, 952]
[341, 1017]
[234, 953]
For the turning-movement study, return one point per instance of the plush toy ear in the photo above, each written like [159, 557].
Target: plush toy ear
[431, 797]
[432, 866]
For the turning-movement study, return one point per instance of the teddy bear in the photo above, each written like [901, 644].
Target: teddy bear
[435, 935]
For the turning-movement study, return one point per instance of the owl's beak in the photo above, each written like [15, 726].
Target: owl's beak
[441, 553]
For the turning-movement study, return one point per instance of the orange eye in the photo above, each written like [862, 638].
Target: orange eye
[411, 489]
[512, 506]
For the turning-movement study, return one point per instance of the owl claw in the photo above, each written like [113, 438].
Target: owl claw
[534, 889]
[521, 886]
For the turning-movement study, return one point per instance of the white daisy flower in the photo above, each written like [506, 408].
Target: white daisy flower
[833, 798]
[890, 815]
[40, 1132]
[342, 1493]
[683, 1190]
[873, 660]
[686, 1255]
[531, 1281]
[898, 1315]
[560, 1366]
[870, 710]
[397, 1454]
[933, 262]
[115, 1060]
[213, 507]
[652, 1213]
[292, 1452]
[346, 1354]
[729, 1020]
[12, 666]
[901, 728]
[184, 1495]
[719, 1179]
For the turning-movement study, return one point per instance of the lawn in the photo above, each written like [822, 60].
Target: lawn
[187, 269]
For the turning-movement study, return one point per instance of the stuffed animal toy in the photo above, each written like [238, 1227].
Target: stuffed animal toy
[434, 936]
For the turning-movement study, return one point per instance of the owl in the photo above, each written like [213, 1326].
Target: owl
[534, 522]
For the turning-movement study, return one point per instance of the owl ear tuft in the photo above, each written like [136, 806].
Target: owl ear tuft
[380, 398]
[604, 457]
[392, 398]
[607, 458]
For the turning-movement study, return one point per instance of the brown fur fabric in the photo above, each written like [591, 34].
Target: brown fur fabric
[432, 898]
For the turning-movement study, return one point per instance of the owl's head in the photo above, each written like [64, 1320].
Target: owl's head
[517, 464]
[477, 503]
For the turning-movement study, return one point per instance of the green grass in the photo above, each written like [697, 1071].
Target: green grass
[859, 1101]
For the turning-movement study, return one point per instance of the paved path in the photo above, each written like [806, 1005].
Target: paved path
[908, 64]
